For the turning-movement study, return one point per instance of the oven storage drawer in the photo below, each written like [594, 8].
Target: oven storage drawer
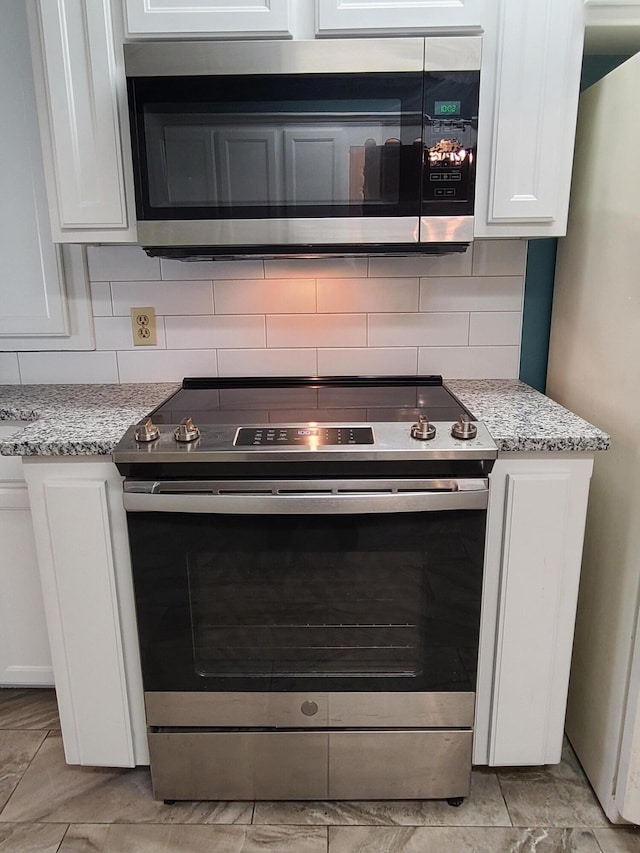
[212, 765]
[310, 710]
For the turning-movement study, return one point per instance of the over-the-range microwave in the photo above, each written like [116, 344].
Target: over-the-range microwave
[304, 147]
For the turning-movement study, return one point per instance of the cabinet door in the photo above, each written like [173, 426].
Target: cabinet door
[216, 18]
[537, 512]
[528, 110]
[79, 82]
[316, 165]
[25, 659]
[32, 287]
[345, 16]
[80, 534]
[250, 165]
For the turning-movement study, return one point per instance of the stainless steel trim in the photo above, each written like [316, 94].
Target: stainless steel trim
[392, 442]
[399, 765]
[301, 498]
[239, 765]
[446, 229]
[454, 53]
[281, 232]
[310, 765]
[285, 710]
[321, 56]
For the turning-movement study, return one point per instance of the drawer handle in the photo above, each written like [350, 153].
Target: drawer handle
[309, 708]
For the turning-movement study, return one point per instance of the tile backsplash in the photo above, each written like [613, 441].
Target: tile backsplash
[459, 315]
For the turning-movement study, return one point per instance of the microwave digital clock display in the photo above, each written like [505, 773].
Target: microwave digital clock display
[447, 108]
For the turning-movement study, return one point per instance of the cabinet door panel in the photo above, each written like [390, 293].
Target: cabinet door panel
[341, 16]
[537, 88]
[33, 289]
[250, 166]
[316, 166]
[78, 54]
[24, 644]
[213, 17]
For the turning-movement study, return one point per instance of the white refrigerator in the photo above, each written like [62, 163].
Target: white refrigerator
[594, 369]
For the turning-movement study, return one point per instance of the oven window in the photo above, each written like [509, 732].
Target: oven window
[344, 602]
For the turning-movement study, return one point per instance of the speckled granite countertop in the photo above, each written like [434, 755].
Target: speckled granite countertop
[74, 420]
[81, 420]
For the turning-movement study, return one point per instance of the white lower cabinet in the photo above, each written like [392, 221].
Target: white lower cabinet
[24, 645]
[536, 518]
[535, 529]
[81, 540]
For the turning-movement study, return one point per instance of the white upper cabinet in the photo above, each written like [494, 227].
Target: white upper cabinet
[530, 84]
[532, 53]
[40, 285]
[394, 16]
[213, 18]
[80, 88]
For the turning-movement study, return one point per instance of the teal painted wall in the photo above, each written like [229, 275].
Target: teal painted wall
[541, 264]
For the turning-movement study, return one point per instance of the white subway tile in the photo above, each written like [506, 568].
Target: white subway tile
[491, 293]
[9, 371]
[316, 268]
[470, 362]
[121, 263]
[499, 257]
[114, 333]
[438, 329]
[53, 367]
[457, 263]
[367, 294]
[500, 328]
[270, 362]
[367, 361]
[166, 297]
[317, 330]
[230, 331]
[276, 296]
[165, 366]
[182, 270]
[101, 305]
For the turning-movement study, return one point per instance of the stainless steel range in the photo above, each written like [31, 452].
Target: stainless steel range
[308, 561]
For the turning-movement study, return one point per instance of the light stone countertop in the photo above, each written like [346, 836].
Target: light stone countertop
[88, 420]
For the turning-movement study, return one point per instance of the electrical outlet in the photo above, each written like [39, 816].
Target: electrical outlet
[143, 326]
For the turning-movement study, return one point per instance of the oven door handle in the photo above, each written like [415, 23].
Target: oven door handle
[206, 497]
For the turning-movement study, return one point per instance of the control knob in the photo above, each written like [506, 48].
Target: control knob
[423, 430]
[147, 431]
[464, 429]
[186, 431]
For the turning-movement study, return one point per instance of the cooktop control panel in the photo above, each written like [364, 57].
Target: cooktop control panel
[307, 436]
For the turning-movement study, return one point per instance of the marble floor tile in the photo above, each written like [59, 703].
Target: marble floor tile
[378, 839]
[28, 708]
[17, 749]
[484, 807]
[552, 795]
[31, 837]
[122, 838]
[52, 791]
[618, 840]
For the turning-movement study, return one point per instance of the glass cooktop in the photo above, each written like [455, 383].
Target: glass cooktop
[280, 400]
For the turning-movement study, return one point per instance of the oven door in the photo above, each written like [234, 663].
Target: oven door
[284, 603]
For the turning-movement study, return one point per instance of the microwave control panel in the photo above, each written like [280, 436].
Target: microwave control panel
[449, 138]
